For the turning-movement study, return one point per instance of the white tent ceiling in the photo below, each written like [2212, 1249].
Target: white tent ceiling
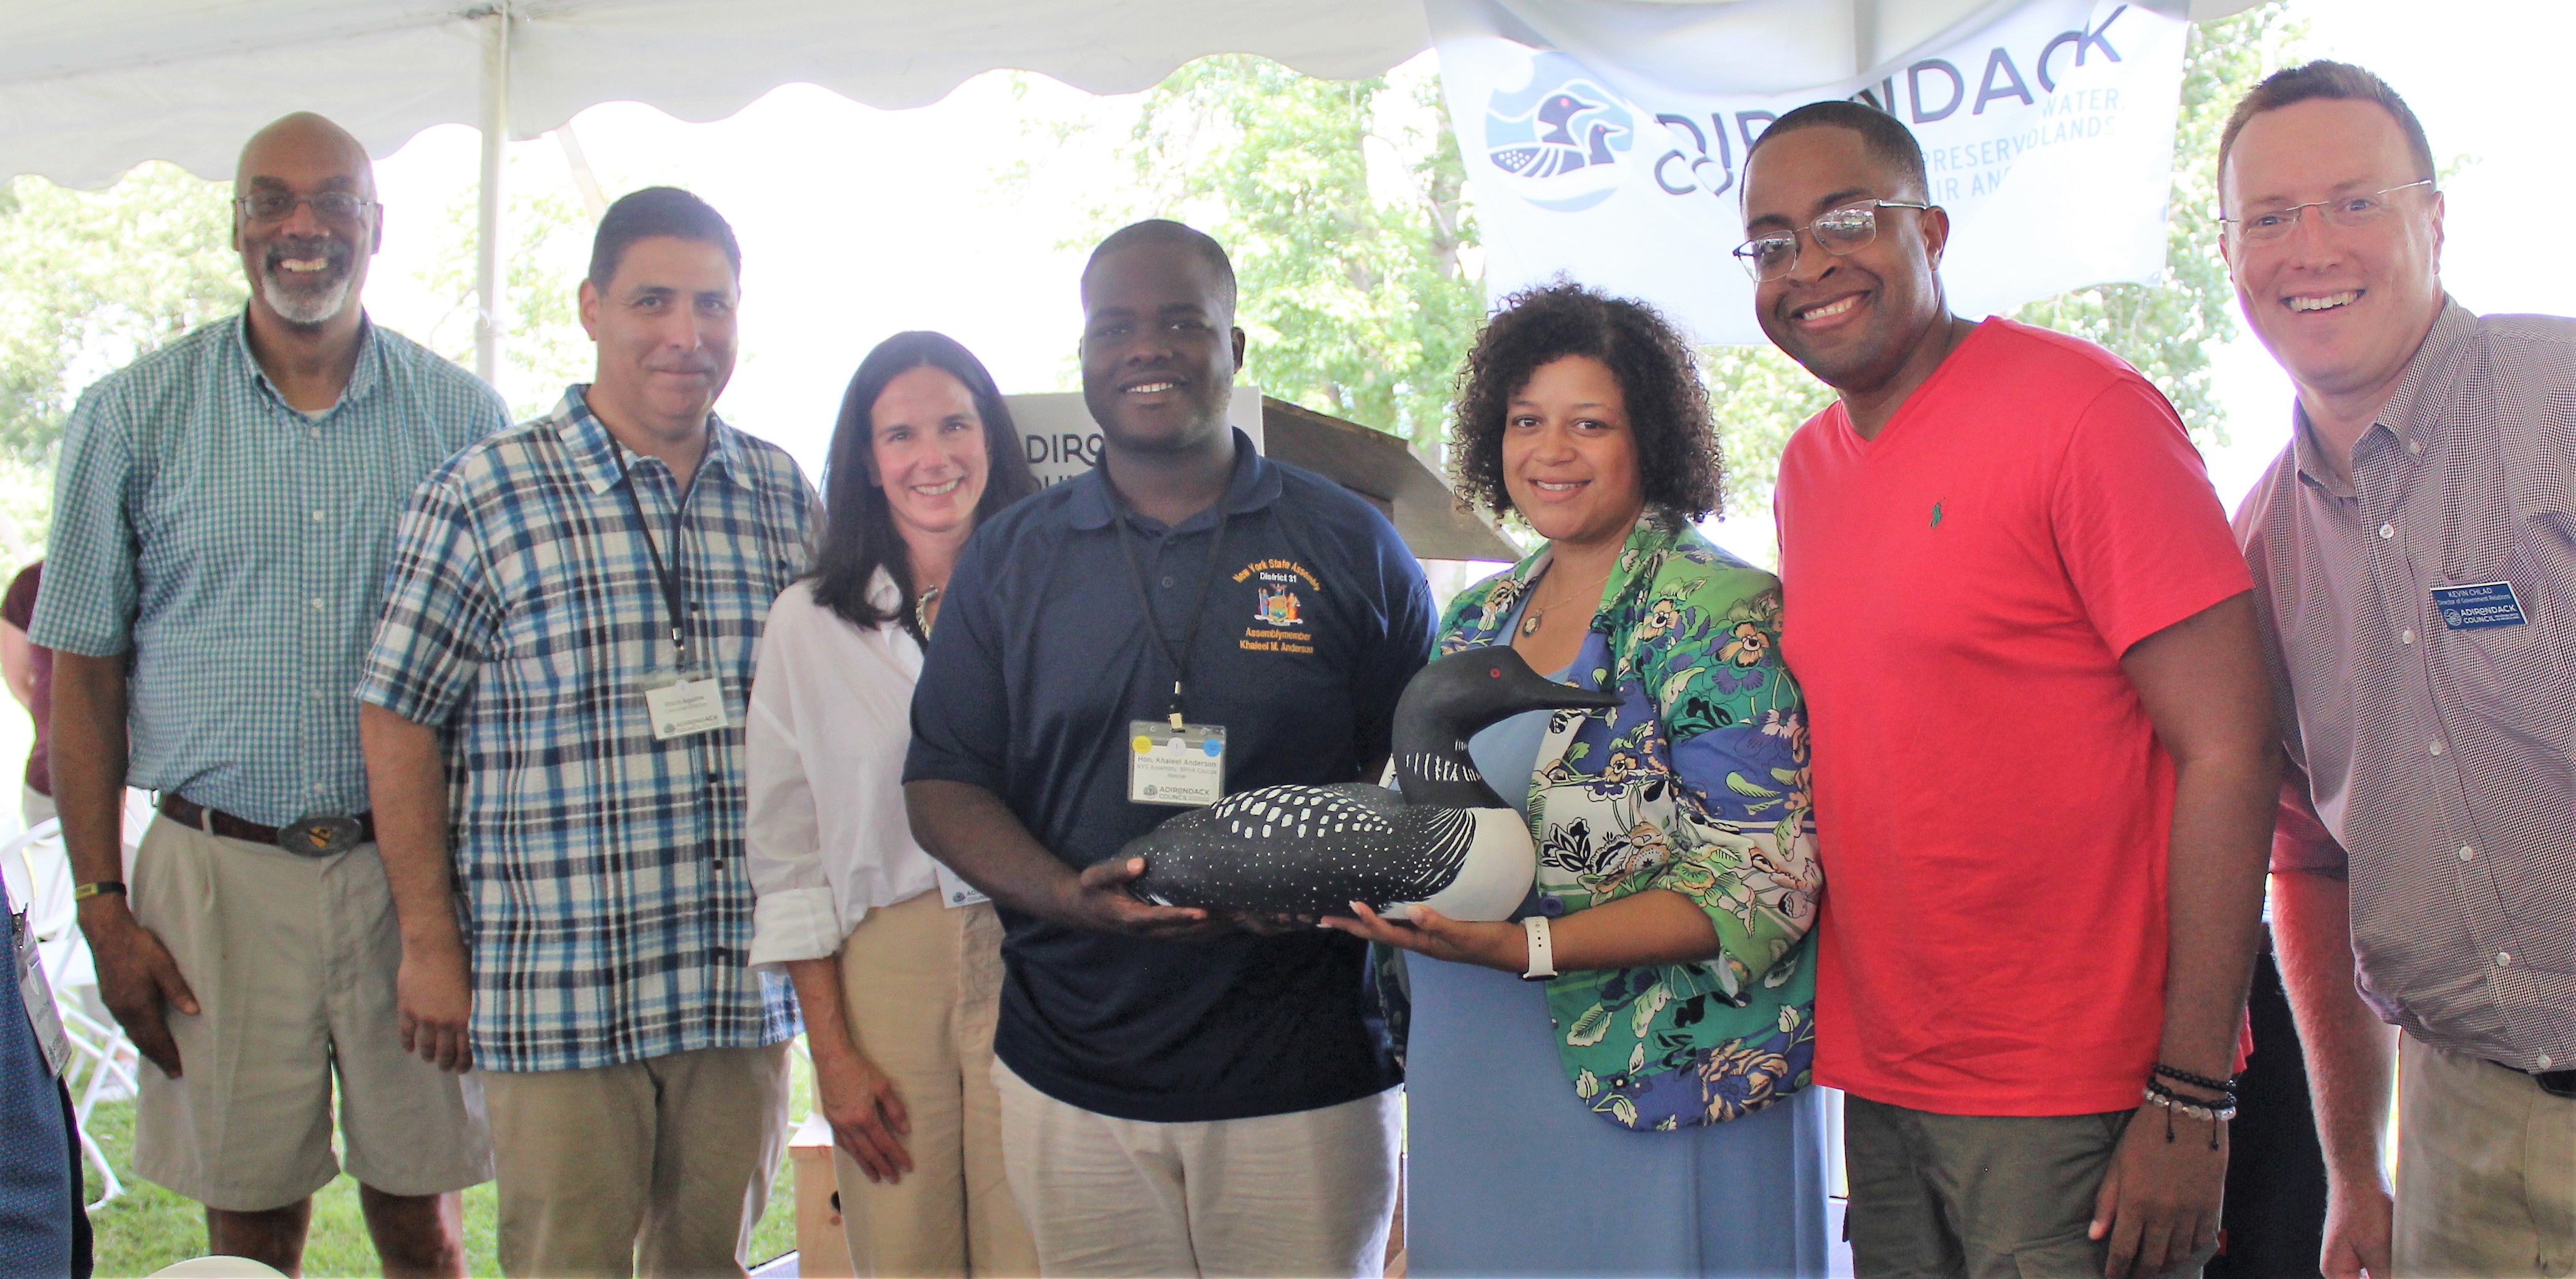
[88, 90]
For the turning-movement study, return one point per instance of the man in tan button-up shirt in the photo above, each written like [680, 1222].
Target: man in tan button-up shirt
[2414, 557]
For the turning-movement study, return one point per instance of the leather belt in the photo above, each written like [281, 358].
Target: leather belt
[319, 835]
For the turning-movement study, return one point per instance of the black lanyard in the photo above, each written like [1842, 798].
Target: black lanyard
[674, 587]
[1180, 661]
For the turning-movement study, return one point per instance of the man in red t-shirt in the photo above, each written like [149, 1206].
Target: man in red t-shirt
[2044, 774]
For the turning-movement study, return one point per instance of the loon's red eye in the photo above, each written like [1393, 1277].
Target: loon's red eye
[1493, 672]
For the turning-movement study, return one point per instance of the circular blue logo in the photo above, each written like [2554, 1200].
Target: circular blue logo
[1557, 139]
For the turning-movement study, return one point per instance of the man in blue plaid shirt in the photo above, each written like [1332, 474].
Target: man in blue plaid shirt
[561, 672]
[222, 516]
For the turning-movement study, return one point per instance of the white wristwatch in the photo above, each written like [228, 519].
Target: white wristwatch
[1542, 950]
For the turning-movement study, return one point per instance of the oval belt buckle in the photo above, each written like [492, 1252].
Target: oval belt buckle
[320, 835]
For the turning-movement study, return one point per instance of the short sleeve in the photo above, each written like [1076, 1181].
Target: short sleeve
[441, 616]
[1388, 664]
[93, 548]
[2300, 840]
[961, 727]
[2141, 532]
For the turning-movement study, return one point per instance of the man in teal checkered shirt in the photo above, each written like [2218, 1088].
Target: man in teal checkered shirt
[223, 514]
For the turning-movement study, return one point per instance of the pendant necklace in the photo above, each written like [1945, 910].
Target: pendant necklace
[1536, 614]
[921, 608]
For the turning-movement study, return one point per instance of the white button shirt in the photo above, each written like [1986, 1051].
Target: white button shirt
[830, 719]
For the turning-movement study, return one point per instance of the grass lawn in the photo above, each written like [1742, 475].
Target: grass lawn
[148, 1227]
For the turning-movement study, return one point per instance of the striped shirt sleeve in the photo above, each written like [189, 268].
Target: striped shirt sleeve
[441, 616]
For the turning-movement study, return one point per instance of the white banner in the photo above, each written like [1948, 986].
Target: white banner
[1607, 141]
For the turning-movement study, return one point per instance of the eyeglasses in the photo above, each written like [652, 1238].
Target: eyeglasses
[1839, 231]
[277, 206]
[2347, 211]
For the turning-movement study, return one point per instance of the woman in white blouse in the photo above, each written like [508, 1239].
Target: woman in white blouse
[896, 961]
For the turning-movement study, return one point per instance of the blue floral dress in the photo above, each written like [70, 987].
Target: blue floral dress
[1696, 785]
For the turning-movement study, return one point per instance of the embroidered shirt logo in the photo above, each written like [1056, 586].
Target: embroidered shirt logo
[1277, 607]
[1936, 515]
[1279, 623]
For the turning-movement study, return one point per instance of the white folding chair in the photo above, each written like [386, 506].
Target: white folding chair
[103, 1059]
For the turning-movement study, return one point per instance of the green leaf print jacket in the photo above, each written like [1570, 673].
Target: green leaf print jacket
[1697, 785]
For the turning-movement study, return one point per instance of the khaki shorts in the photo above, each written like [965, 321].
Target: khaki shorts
[292, 960]
[1310, 1192]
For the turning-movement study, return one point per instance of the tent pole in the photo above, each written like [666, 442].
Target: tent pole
[495, 119]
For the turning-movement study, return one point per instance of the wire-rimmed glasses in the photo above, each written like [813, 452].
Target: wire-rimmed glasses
[2346, 211]
[1836, 231]
[340, 207]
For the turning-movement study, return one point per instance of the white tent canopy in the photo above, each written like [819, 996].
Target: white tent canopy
[89, 90]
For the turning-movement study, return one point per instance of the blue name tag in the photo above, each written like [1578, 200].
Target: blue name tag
[2474, 607]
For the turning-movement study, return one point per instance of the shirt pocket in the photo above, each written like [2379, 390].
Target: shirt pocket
[2520, 677]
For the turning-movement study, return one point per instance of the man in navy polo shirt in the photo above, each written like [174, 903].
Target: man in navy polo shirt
[1181, 1093]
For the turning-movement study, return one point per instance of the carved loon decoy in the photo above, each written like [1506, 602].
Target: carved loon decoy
[1449, 843]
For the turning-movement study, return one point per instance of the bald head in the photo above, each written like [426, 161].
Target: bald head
[306, 221]
[305, 141]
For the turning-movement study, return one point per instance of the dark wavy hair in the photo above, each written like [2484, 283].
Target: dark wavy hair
[858, 527]
[1677, 449]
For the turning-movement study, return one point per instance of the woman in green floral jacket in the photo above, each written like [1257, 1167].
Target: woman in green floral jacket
[1665, 1062]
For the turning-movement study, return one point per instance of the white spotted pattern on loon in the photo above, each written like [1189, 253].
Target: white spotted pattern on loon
[1447, 842]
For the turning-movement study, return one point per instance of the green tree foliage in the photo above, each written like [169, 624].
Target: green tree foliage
[1341, 203]
[88, 281]
[91, 279]
[543, 350]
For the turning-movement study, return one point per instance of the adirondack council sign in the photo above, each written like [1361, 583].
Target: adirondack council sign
[1617, 158]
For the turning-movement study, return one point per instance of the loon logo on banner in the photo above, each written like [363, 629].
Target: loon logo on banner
[1558, 136]
[1608, 142]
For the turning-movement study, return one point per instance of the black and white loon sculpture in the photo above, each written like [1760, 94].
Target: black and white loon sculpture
[1450, 843]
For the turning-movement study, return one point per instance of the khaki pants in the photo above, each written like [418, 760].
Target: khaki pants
[2486, 1169]
[292, 960]
[661, 1165]
[1310, 1193]
[1978, 1197]
[923, 983]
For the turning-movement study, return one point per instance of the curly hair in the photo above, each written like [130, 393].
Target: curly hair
[1677, 447]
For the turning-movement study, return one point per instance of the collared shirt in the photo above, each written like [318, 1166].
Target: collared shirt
[606, 903]
[830, 715]
[238, 547]
[1316, 619]
[2443, 759]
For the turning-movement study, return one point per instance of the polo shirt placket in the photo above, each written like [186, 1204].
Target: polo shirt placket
[1040, 663]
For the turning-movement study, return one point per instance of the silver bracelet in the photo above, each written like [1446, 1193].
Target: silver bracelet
[2214, 1114]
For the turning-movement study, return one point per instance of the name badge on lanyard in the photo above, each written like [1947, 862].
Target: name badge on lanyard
[681, 702]
[954, 891]
[2478, 606]
[1183, 768]
[1174, 761]
[38, 995]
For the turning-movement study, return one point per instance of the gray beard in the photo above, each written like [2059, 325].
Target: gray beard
[301, 308]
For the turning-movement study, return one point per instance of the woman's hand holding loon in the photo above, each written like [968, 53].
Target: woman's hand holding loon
[1425, 931]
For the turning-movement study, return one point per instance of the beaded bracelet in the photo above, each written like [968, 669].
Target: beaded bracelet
[2227, 1086]
[2174, 1103]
